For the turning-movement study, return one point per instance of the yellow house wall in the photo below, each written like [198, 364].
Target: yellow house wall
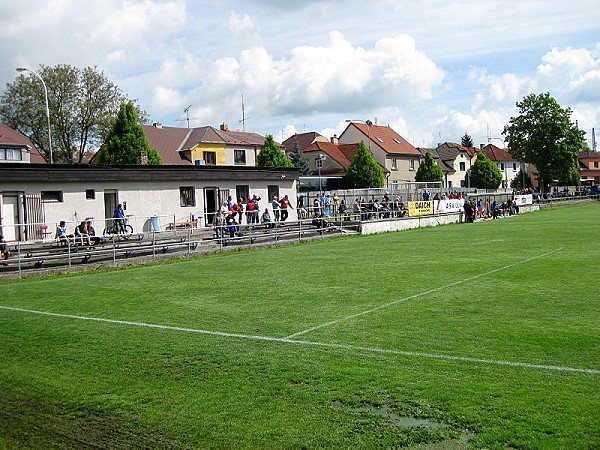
[198, 152]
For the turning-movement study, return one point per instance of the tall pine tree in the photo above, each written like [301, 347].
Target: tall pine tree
[298, 159]
[428, 170]
[126, 141]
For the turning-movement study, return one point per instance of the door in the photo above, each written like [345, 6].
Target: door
[210, 205]
[10, 217]
[110, 203]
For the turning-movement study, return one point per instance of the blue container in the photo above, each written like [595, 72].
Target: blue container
[155, 226]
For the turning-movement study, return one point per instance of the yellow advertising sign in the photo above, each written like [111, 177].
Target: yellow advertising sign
[422, 208]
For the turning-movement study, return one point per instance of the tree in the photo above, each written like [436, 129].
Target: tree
[466, 140]
[82, 103]
[484, 173]
[271, 155]
[298, 159]
[428, 170]
[521, 181]
[364, 171]
[544, 135]
[126, 141]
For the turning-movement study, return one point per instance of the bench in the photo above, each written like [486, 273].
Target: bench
[182, 225]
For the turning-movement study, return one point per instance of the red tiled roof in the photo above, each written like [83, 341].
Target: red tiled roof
[343, 154]
[9, 136]
[304, 140]
[386, 138]
[496, 154]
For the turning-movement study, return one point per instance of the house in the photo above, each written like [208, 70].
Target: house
[395, 154]
[303, 139]
[589, 167]
[507, 164]
[204, 145]
[455, 161]
[17, 148]
[35, 195]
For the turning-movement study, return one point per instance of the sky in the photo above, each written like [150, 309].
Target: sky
[432, 70]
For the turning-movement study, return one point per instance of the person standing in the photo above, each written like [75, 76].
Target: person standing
[275, 208]
[119, 218]
[284, 204]
[4, 249]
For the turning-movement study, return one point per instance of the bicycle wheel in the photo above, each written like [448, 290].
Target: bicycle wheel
[128, 229]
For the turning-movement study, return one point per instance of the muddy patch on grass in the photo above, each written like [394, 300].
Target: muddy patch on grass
[417, 432]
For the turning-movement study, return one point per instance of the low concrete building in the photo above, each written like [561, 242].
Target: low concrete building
[33, 196]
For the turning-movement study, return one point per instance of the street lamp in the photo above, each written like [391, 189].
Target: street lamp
[319, 164]
[24, 69]
[368, 123]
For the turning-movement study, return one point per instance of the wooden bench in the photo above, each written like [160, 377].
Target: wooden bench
[182, 225]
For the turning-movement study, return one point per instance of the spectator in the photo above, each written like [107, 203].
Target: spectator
[284, 204]
[256, 212]
[275, 207]
[250, 211]
[119, 218]
[81, 234]
[218, 222]
[301, 208]
[92, 233]
[240, 209]
[4, 249]
[62, 236]
[266, 219]
[232, 225]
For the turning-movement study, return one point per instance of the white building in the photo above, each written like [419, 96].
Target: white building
[34, 196]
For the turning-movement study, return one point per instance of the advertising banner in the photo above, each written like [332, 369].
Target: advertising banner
[526, 199]
[448, 206]
[422, 208]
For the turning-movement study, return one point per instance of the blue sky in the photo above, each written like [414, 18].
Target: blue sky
[432, 69]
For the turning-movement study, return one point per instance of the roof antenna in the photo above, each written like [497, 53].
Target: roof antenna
[187, 113]
[243, 121]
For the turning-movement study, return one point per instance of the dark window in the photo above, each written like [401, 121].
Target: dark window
[52, 196]
[239, 157]
[272, 191]
[90, 194]
[210, 158]
[462, 166]
[187, 196]
[242, 191]
[412, 164]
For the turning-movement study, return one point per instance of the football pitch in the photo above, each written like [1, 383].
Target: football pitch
[482, 335]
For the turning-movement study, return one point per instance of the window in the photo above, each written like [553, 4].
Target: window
[514, 166]
[462, 166]
[394, 167]
[187, 196]
[379, 139]
[501, 166]
[397, 141]
[449, 183]
[242, 191]
[11, 154]
[210, 158]
[412, 164]
[52, 196]
[596, 164]
[90, 194]
[272, 191]
[239, 157]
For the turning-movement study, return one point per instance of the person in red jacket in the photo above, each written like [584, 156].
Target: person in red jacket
[284, 204]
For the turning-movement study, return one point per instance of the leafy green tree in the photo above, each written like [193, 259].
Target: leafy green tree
[522, 180]
[484, 173]
[543, 134]
[82, 104]
[364, 171]
[428, 170]
[298, 159]
[466, 140]
[126, 141]
[271, 155]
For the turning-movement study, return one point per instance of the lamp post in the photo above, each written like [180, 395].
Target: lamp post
[25, 69]
[368, 123]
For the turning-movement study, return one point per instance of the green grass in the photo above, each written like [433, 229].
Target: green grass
[433, 367]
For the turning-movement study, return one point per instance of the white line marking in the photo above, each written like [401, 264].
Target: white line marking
[316, 344]
[421, 294]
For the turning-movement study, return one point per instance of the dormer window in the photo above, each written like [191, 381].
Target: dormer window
[379, 139]
[397, 141]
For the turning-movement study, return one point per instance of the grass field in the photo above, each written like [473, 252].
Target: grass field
[482, 335]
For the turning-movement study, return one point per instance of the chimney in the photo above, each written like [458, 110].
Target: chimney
[157, 125]
[224, 127]
[335, 140]
[142, 159]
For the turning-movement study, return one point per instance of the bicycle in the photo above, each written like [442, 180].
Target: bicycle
[121, 230]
